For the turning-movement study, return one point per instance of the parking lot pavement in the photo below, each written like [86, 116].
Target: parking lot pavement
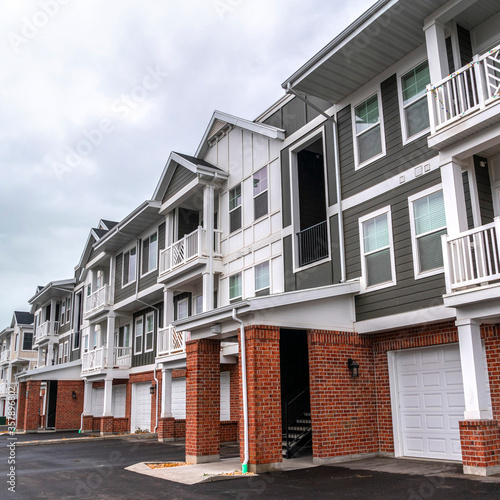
[96, 470]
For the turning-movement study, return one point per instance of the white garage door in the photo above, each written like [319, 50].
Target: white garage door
[141, 407]
[119, 398]
[431, 401]
[225, 396]
[179, 398]
[98, 402]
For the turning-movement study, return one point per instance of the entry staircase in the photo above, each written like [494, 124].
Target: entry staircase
[296, 424]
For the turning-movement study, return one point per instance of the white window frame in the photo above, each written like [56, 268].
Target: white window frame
[123, 265]
[185, 300]
[269, 276]
[255, 196]
[402, 108]
[238, 297]
[62, 312]
[143, 255]
[294, 193]
[140, 319]
[365, 218]
[195, 304]
[66, 352]
[146, 332]
[414, 246]
[240, 206]
[357, 164]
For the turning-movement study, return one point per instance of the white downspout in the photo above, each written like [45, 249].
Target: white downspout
[157, 391]
[244, 465]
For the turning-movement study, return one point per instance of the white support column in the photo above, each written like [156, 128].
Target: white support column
[112, 275]
[110, 340]
[166, 393]
[473, 371]
[454, 198]
[39, 360]
[87, 398]
[108, 397]
[208, 224]
[168, 307]
[52, 324]
[435, 40]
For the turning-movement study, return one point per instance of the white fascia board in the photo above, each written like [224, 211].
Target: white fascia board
[447, 12]
[97, 260]
[68, 371]
[412, 318]
[80, 263]
[162, 177]
[60, 283]
[174, 200]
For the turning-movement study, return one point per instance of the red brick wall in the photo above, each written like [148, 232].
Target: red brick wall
[21, 405]
[32, 406]
[179, 428]
[491, 335]
[203, 398]
[121, 425]
[343, 409]
[234, 389]
[264, 395]
[228, 431]
[480, 441]
[69, 410]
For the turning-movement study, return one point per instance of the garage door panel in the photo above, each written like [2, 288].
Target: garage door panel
[141, 406]
[437, 445]
[455, 400]
[431, 379]
[433, 401]
[429, 357]
[410, 401]
[409, 381]
[454, 378]
[411, 422]
[435, 422]
[179, 398]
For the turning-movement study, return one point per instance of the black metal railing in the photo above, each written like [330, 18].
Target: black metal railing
[295, 413]
[313, 243]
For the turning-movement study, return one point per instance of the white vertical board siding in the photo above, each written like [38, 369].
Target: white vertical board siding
[211, 155]
[225, 396]
[223, 152]
[260, 151]
[276, 271]
[247, 201]
[247, 153]
[236, 150]
[274, 178]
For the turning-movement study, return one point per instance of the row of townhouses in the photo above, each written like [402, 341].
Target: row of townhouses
[328, 272]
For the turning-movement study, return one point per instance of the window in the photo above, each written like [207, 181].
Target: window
[150, 325]
[27, 341]
[123, 337]
[66, 351]
[129, 266]
[368, 130]
[86, 342]
[149, 253]
[68, 309]
[235, 208]
[198, 304]
[183, 308]
[60, 349]
[76, 340]
[260, 193]
[235, 287]
[63, 312]
[428, 224]
[262, 276]
[415, 108]
[377, 250]
[139, 327]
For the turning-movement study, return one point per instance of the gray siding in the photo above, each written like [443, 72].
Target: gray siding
[468, 201]
[484, 191]
[74, 354]
[464, 42]
[129, 290]
[146, 358]
[64, 328]
[409, 294]
[151, 278]
[182, 176]
[398, 157]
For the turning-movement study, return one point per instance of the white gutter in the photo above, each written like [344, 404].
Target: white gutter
[156, 386]
[244, 465]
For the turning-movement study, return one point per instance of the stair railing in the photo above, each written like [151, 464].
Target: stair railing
[293, 411]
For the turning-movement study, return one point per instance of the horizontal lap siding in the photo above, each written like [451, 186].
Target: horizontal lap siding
[151, 278]
[398, 158]
[122, 293]
[182, 176]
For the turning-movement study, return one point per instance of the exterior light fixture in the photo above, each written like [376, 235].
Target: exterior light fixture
[152, 389]
[353, 367]
[73, 395]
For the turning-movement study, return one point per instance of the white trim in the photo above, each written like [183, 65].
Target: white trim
[229, 286]
[268, 262]
[178, 197]
[402, 109]
[157, 232]
[141, 319]
[416, 257]
[129, 249]
[361, 221]
[396, 414]
[145, 332]
[254, 196]
[294, 195]
[357, 164]
[240, 206]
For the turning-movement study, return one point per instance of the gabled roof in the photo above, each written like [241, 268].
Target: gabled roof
[195, 165]
[221, 121]
[23, 318]
[107, 224]
[57, 288]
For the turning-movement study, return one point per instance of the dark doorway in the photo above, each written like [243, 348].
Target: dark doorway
[295, 397]
[189, 220]
[51, 404]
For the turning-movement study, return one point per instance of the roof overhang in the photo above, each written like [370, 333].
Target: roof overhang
[5, 333]
[224, 120]
[55, 289]
[144, 216]
[384, 34]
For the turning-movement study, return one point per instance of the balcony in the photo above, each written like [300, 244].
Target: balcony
[5, 356]
[189, 248]
[460, 97]
[313, 244]
[45, 331]
[171, 341]
[97, 359]
[7, 389]
[472, 265]
[97, 301]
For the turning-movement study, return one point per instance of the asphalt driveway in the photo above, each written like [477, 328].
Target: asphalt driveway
[96, 470]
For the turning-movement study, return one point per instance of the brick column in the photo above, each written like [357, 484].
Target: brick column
[106, 425]
[69, 407]
[21, 405]
[31, 415]
[203, 401]
[264, 399]
[480, 441]
[166, 429]
[88, 423]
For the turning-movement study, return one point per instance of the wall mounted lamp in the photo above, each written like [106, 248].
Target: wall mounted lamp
[152, 389]
[73, 395]
[353, 367]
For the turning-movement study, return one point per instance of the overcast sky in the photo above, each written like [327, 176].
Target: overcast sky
[95, 94]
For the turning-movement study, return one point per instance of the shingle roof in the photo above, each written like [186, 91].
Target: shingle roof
[197, 161]
[110, 224]
[99, 232]
[24, 318]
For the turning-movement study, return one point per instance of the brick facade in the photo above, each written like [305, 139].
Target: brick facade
[264, 399]
[480, 441]
[203, 400]
[69, 409]
[32, 406]
[21, 405]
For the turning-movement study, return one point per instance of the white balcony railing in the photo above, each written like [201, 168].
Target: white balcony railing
[7, 388]
[189, 247]
[98, 299]
[44, 330]
[5, 356]
[171, 341]
[473, 257]
[470, 88]
[97, 359]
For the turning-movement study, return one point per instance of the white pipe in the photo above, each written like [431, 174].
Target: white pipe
[244, 465]
[156, 380]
